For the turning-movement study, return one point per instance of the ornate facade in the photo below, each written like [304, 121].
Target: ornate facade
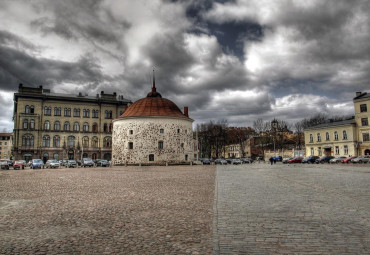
[51, 125]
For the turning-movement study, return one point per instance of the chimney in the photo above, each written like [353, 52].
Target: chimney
[358, 93]
[114, 94]
[186, 111]
[40, 86]
[20, 85]
[102, 92]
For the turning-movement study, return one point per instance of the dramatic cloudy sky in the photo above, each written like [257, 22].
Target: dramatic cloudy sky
[237, 60]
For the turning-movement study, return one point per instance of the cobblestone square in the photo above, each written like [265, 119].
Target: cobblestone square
[292, 209]
[119, 210]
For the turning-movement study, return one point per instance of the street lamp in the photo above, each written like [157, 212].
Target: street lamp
[274, 125]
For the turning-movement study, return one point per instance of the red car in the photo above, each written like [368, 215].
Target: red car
[295, 160]
[347, 160]
[18, 164]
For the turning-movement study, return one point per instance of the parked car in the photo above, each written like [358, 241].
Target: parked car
[229, 161]
[52, 163]
[347, 160]
[336, 160]
[295, 160]
[18, 164]
[10, 162]
[236, 162]
[323, 159]
[278, 158]
[64, 162]
[286, 160]
[361, 159]
[87, 162]
[71, 164]
[310, 159]
[103, 163]
[37, 163]
[4, 165]
[246, 160]
[220, 161]
[206, 161]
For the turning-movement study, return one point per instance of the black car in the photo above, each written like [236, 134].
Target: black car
[323, 159]
[206, 162]
[102, 162]
[310, 159]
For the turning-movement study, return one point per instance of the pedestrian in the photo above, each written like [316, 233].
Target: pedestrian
[274, 160]
[271, 160]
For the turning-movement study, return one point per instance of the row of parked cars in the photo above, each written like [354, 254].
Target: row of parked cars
[327, 159]
[221, 161]
[53, 163]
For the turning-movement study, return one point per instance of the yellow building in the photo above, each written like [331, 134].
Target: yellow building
[52, 125]
[342, 138]
[6, 143]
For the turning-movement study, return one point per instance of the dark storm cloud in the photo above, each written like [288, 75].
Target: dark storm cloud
[20, 67]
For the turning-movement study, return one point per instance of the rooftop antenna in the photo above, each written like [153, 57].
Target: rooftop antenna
[153, 88]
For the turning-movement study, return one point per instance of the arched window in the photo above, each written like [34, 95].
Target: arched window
[327, 136]
[56, 141]
[57, 111]
[66, 126]
[47, 110]
[47, 125]
[27, 140]
[57, 125]
[27, 109]
[344, 135]
[105, 128]
[56, 156]
[25, 124]
[32, 124]
[46, 141]
[86, 127]
[160, 145]
[106, 114]
[107, 142]
[95, 127]
[76, 126]
[85, 142]
[32, 109]
[67, 112]
[71, 141]
[318, 137]
[94, 142]
[76, 112]
[110, 127]
[95, 113]
[86, 113]
[336, 136]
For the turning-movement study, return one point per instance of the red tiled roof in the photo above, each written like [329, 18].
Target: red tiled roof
[153, 106]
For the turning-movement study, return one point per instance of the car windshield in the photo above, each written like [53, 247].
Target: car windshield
[37, 161]
[19, 162]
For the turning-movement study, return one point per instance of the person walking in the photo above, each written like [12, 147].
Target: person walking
[271, 160]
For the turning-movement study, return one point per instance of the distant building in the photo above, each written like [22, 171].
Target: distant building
[54, 125]
[153, 130]
[6, 145]
[342, 138]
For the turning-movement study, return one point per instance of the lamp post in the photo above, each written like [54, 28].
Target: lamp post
[274, 125]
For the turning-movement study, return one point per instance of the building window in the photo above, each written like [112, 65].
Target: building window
[47, 110]
[56, 156]
[27, 109]
[110, 127]
[76, 126]
[95, 113]
[182, 145]
[71, 141]
[365, 137]
[46, 141]
[319, 151]
[27, 140]
[131, 145]
[178, 131]
[67, 112]
[94, 142]
[95, 127]
[160, 145]
[86, 127]
[161, 131]
[32, 124]
[105, 128]
[57, 126]
[312, 152]
[311, 138]
[345, 149]
[57, 111]
[131, 132]
[32, 109]
[344, 135]
[108, 114]
[86, 113]
[318, 137]
[47, 125]
[327, 136]
[336, 150]
[363, 108]
[25, 124]
[107, 142]
[66, 126]
[186, 157]
[85, 142]
[56, 141]
[151, 157]
[364, 122]
[76, 112]
[336, 136]
[120, 113]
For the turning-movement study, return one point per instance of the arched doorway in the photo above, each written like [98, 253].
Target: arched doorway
[27, 157]
[367, 152]
[93, 156]
[85, 155]
[71, 154]
[107, 156]
[45, 157]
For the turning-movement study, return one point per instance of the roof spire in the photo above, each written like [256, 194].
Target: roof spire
[153, 88]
